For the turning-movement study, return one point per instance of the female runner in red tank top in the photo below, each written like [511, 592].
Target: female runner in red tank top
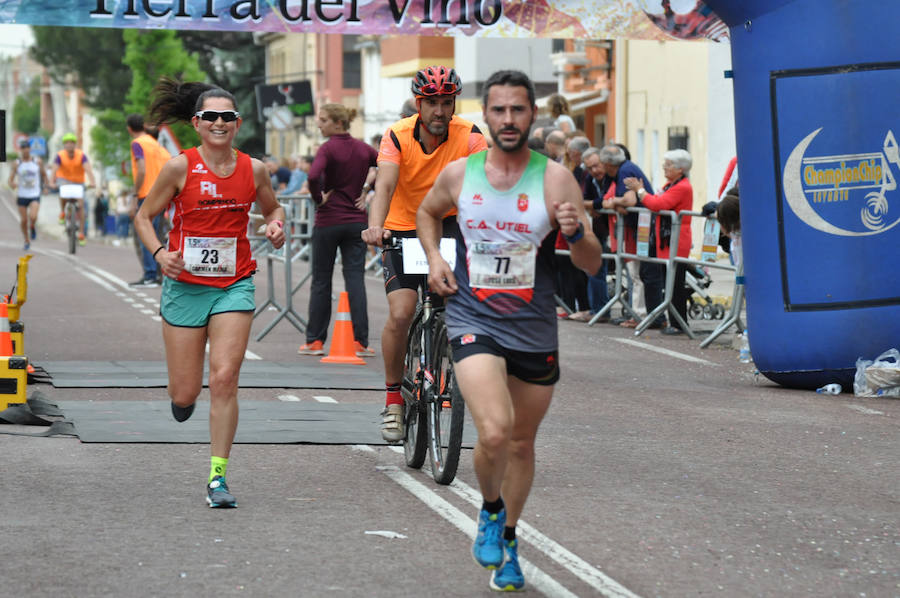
[208, 287]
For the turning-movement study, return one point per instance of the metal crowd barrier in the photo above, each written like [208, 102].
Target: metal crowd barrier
[621, 256]
[298, 226]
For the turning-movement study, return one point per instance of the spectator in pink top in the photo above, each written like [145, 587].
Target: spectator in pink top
[677, 195]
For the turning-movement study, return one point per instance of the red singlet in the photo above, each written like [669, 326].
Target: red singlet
[210, 222]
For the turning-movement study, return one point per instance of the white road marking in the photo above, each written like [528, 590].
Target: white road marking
[362, 447]
[147, 311]
[156, 318]
[322, 399]
[95, 279]
[534, 576]
[595, 578]
[865, 410]
[137, 305]
[674, 354]
[248, 354]
[289, 398]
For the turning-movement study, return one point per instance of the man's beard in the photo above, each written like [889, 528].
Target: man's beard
[436, 128]
[508, 147]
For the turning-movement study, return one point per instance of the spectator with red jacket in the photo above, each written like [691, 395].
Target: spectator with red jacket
[677, 195]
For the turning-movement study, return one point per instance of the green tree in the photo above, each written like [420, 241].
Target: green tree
[120, 80]
[27, 108]
[92, 56]
[149, 55]
[233, 61]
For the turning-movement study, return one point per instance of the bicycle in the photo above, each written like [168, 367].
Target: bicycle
[71, 194]
[434, 410]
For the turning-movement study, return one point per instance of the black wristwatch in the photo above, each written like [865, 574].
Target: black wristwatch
[579, 233]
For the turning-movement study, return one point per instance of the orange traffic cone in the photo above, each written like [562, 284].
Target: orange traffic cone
[343, 349]
[6, 346]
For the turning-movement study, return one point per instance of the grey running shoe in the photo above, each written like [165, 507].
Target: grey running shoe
[217, 494]
[392, 429]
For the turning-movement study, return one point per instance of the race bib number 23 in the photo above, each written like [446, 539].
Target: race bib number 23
[210, 256]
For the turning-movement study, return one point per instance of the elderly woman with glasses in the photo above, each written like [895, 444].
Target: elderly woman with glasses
[677, 195]
[208, 291]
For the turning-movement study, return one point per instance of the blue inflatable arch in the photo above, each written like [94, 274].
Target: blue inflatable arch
[817, 112]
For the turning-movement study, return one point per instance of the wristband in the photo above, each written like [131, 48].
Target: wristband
[579, 233]
[279, 222]
[161, 247]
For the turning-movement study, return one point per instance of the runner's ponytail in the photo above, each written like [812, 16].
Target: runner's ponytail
[174, 101]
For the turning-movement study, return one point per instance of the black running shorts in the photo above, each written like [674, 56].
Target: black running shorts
[534, 368]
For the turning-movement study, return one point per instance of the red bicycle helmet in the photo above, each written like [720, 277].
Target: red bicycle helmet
[436, 81]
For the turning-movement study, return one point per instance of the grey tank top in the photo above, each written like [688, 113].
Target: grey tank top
[504, 267]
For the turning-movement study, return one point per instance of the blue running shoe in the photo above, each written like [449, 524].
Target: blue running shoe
[217, 494]
[488, 547]
[509, 578]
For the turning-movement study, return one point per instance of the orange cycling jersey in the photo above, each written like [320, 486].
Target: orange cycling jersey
[418, 170]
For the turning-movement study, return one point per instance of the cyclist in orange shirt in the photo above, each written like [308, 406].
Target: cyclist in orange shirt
[413, 151]
[72, 166]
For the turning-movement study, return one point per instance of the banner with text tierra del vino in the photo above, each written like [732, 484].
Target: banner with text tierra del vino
[578, 19]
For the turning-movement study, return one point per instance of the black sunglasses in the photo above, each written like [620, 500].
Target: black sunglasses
[213, 115]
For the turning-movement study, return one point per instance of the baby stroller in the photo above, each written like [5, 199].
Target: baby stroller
[700, 304]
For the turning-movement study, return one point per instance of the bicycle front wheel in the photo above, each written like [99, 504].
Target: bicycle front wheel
[415, 440]
[446, 411]
[71, 228]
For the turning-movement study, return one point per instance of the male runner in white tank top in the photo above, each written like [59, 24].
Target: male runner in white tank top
[501, 316]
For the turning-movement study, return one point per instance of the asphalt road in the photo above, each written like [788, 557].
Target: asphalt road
[663, 470]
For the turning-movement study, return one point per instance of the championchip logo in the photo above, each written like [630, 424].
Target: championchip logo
[819, 188]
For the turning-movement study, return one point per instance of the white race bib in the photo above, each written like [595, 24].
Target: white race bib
[210, 256]
[72, 191]
[502, 265]
[414, 260]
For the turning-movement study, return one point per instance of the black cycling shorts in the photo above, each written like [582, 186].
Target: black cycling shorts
[534, 368]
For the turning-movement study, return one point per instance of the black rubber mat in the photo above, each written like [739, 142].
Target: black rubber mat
[261, 422]
[37, 411]
[254, 374]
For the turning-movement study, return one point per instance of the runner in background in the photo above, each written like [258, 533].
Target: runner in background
[27, 178]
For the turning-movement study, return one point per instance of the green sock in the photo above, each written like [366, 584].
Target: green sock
[218, 465]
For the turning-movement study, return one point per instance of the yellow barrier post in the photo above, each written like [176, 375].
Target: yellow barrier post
[13, 380]
[21, 288]
[17, 336]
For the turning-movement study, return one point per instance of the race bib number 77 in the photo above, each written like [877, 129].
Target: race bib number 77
[502, 265]
[210, 256]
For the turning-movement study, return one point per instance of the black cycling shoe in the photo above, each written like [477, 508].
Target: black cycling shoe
[182, 413]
